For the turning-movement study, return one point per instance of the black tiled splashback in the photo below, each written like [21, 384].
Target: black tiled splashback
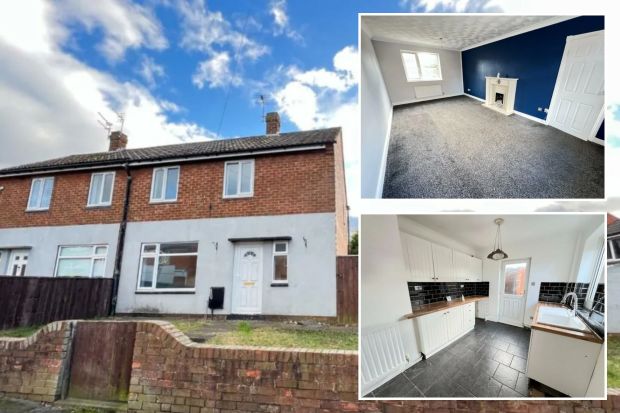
[432, 292]
[554, 292]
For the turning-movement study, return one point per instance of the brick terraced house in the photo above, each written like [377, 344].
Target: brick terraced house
[264, 217]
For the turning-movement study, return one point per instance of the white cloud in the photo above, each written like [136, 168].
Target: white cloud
[151, 71]
[451, 6]
[215, 72]
[278, 10]
[124, 25]
[322, 97]
[49, 101]
[203, 30]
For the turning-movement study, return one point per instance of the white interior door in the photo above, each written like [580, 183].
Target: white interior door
[514, 278]
[248, 279]
[578, 98]
[18, 262]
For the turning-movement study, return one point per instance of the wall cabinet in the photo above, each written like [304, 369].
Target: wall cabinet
[436, 330]
[419, 254]
[442, 263]
[428, 261]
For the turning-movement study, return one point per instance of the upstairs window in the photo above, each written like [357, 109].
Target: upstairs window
[40, 194]
[81, 261]
[280, 262]
[421, 66]
[101, 186]
[239, 179]
[613, 248]
[165, 184]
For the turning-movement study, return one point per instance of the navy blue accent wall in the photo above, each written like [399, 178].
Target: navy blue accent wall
[601, 131]
[533, 57]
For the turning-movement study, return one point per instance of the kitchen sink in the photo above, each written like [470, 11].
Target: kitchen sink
[560, 317]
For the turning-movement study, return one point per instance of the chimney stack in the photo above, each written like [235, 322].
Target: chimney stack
[118, 141]
[272, 119]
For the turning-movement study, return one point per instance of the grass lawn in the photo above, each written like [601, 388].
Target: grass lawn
[19, 331]
[274, 337]
[275, 334]
[613, 362]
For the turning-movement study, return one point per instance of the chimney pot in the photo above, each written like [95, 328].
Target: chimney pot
[118, 141]
[272, 119]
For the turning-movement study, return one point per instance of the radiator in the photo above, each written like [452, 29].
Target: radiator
[427, 91]
[382, 356]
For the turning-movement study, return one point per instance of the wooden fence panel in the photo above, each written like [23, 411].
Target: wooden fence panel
[346, 286]
[26, 301]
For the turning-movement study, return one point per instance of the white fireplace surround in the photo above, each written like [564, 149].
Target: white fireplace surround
[504, 88]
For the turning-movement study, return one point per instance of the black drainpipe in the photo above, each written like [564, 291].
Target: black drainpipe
[118, 261]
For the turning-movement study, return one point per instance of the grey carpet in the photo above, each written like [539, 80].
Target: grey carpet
[455, 148]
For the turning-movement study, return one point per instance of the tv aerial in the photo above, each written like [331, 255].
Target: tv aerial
[107, 125]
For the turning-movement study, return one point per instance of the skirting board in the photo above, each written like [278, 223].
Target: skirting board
[597, 141]
[525, 115]
[383, 166]
[406, 102]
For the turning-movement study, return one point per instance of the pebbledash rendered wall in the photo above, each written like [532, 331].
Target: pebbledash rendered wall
[172, 374]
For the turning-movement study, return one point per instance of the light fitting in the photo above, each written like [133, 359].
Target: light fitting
[497, 253]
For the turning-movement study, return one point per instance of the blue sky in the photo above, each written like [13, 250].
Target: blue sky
[186, 70]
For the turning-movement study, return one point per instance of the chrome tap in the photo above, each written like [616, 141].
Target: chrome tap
[575, 301]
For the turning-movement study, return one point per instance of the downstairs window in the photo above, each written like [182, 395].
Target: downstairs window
[168, 266]
[81, 261]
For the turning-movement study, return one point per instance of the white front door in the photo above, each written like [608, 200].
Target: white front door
[579, 95]
[18, 262]
[247, 279]
[513, 284]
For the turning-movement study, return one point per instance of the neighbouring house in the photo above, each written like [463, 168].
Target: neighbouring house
[264, 217]
[613, 273]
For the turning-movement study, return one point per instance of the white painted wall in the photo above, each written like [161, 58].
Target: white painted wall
[590, 254]
[401, 91]
[384, 294]
[44, 243]
[376, 117]
[311, 268]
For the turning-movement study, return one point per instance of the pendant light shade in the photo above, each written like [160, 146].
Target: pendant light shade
[497, 253]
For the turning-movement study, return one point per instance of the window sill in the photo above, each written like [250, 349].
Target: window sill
[238, 196]
[424, 81]
[163, 202]
[38, 210]
[163, 291]
[279, 284]
[98, 206]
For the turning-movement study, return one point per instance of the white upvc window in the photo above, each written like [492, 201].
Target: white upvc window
[165, 184]
[101, 188]
[613, 249]
[280, 262]
[81, 260]
[40, 194]
[421, 66]
[168, 266]
[239, 178]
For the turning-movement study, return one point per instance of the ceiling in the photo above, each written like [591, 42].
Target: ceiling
[456, 32]
[478, 231]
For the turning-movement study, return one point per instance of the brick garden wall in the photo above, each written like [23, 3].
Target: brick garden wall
[32, 368]
[172, 374]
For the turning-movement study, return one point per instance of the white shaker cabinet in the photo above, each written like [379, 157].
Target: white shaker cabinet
[436, 330]
[442, 263]
[419, 255]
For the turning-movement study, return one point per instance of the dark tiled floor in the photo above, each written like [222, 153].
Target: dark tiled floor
[487, 362]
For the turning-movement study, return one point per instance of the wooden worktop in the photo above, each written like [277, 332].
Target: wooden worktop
[442, 305]
[581, 335]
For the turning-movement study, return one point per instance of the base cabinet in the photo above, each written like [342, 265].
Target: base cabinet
[562, 363]
[436, 330]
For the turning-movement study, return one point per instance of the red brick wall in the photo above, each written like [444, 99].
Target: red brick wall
[32, 367]
[284, 184]
[68, 205]
[342, 222]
